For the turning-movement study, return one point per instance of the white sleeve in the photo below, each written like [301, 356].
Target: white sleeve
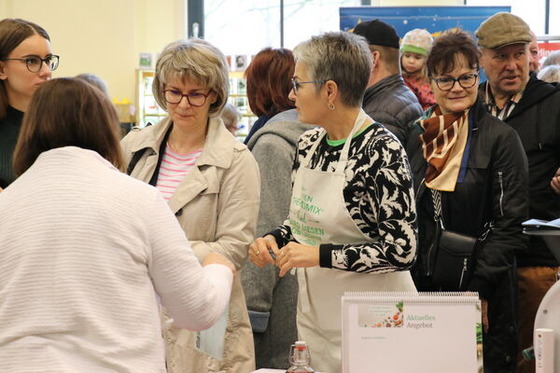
[195, 297]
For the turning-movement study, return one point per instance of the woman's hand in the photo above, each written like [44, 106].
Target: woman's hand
[215, 258]
[555, 182]
[484, 306]
[297, 255]
[261, 249]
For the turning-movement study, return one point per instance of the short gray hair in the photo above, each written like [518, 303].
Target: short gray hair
[341, 56]
[550, 74]
[196, 60]
[95, 81]
[230, 114]
[552, 59]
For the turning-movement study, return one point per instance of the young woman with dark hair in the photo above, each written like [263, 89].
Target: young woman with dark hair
[26, 62]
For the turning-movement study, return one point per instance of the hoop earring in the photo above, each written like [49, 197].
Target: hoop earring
[331, 106]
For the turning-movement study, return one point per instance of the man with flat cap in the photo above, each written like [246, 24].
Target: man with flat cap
[387, 99]
[532, 108]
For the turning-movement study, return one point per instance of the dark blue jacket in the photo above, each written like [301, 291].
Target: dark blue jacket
[391, 103]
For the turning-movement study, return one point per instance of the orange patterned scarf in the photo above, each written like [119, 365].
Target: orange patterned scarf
[443, 144]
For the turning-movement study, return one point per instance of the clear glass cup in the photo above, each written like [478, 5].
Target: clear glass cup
[300, 359]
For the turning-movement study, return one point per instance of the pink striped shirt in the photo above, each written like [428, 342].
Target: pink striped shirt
[174, 167]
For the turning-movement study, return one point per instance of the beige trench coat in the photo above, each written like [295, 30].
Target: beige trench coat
[217, 205]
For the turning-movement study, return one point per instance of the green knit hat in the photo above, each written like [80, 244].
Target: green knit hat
[417, 41]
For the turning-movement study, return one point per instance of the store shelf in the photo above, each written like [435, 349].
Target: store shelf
[238, 98]
[148, 111]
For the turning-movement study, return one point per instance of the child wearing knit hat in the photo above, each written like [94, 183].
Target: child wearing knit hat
[415, 48]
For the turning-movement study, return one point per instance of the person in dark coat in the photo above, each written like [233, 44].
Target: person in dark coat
[532, 108]
[387, 99]
[477, 165]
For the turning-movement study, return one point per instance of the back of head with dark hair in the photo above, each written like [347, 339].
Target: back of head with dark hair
[389, 57]
[12, 32]
[445, 49]
[268, 81]
[68, 112]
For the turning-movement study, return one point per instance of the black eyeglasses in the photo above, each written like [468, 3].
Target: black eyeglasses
[465, 81]
[297, 85]
[34, 63]
[196, 99]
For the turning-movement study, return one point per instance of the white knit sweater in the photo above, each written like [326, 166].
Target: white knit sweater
[82, 249]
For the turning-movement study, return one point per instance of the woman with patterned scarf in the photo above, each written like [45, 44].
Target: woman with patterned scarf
[474, 165]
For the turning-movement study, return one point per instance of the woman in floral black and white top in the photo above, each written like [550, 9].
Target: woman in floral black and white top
[352, 220]
[378, 196]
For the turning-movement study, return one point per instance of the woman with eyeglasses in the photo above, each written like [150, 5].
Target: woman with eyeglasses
[471, 172]
[352, 219]
[211, 183]
[26, 62]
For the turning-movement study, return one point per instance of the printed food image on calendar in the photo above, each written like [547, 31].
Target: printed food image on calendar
[381, 315]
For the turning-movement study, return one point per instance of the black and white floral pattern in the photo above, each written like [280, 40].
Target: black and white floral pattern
[379, 196]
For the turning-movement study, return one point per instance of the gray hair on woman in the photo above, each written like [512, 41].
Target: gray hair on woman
[198, 61]
[339, 56]
[95, 81]
[552, 59]
[550, 74]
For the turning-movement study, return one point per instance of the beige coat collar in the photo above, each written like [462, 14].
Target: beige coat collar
[218, 153]
[219, 156]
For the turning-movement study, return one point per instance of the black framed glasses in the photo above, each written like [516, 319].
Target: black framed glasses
[465, 81]
[297, 85]
[34, 63]
[196, 99]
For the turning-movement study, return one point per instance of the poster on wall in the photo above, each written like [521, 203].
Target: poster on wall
[546, 48]
[434, 19]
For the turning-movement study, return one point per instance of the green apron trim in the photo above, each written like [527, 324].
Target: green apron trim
[340, 142]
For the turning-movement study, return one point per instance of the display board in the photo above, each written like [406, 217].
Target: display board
[409, 332]
[434, 19]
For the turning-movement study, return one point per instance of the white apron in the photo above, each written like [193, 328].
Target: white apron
[318, 214]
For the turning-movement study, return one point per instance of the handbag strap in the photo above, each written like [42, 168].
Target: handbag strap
[438, 215]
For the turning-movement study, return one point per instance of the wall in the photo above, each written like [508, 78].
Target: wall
[103, 37]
